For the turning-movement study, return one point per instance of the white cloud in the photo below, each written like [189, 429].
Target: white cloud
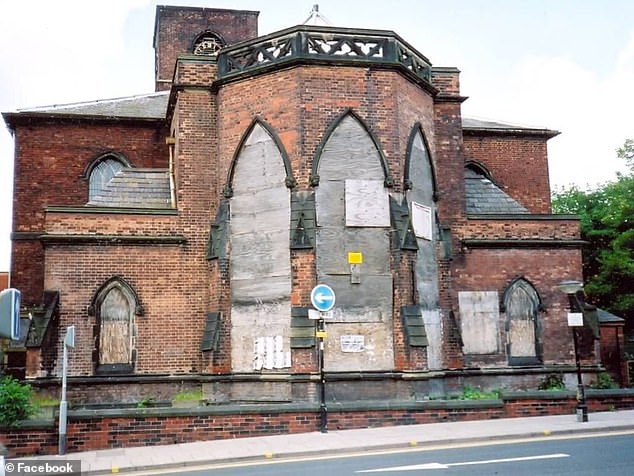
[590, 111]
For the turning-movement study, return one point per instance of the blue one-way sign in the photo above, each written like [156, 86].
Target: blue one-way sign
[323, 297]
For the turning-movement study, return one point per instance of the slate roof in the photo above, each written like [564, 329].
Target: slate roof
[147, 106]
[471, 124]
[154, 106]
[136, 188]
[606, 317]
[484, 197]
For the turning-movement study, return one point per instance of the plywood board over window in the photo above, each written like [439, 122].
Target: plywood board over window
[115, 337]
[260, 256]
[367, 203]
[479, 318]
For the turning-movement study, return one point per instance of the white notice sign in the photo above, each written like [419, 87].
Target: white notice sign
[352, 343]
[422, 221]
[575, 319]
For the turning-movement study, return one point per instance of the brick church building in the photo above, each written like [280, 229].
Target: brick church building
[181, 232]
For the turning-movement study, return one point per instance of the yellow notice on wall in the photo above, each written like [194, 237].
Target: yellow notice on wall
[355, 257]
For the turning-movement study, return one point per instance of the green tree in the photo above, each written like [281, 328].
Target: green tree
[606, 217]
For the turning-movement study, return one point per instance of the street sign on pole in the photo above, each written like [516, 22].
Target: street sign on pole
[10, 313]
[69, 341]
[322, 297]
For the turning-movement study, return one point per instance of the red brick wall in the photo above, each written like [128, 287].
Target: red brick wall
[405, 357]
[194, 126]
[95, 433]
[492, 228]
[519, 165]
[51, 159]
[167, 334]
[301, 103]
[304, 279]
[494, 269]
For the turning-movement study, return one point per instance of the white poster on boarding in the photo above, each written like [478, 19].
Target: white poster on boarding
[422, 221]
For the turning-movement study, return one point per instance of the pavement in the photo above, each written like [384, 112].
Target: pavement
[151, 458]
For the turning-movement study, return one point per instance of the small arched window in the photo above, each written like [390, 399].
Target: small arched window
[114, 306]
[207, 44]
[102, 173]
[479, 169]
[522, 304]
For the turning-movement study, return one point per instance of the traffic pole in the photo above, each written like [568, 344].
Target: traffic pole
[323, 409]
[63, 407]
[69, 341]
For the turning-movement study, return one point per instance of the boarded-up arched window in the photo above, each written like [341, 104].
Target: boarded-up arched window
[260, 255]
[521, 303]
[353, 246]
[420, 178]
[115, 306]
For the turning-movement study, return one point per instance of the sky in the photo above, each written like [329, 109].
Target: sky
[566, 65]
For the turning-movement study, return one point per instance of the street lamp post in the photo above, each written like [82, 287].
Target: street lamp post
[575, 320]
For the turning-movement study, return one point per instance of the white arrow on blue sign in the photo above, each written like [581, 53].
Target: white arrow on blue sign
[323, 297]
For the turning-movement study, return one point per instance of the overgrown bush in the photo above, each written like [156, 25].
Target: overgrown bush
[552, 382]
[15, 402]
[604, 381]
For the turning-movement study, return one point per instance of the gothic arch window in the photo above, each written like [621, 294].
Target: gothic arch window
[260, 258]
[419, 167]
[114, 306]
[521, 304]
[207, 44]
[343, 126]
[351, 179]
[101, 171]
[422, 235]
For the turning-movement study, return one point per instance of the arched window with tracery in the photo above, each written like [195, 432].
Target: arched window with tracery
[102, 171]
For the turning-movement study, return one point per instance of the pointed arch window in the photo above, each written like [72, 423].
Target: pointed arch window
[114, 306]
[521, 304]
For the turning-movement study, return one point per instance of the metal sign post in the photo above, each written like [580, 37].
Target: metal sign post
[323, 409]
[69, 341]
[323, 299]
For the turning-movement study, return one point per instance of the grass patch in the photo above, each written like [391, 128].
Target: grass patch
[188, 396]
